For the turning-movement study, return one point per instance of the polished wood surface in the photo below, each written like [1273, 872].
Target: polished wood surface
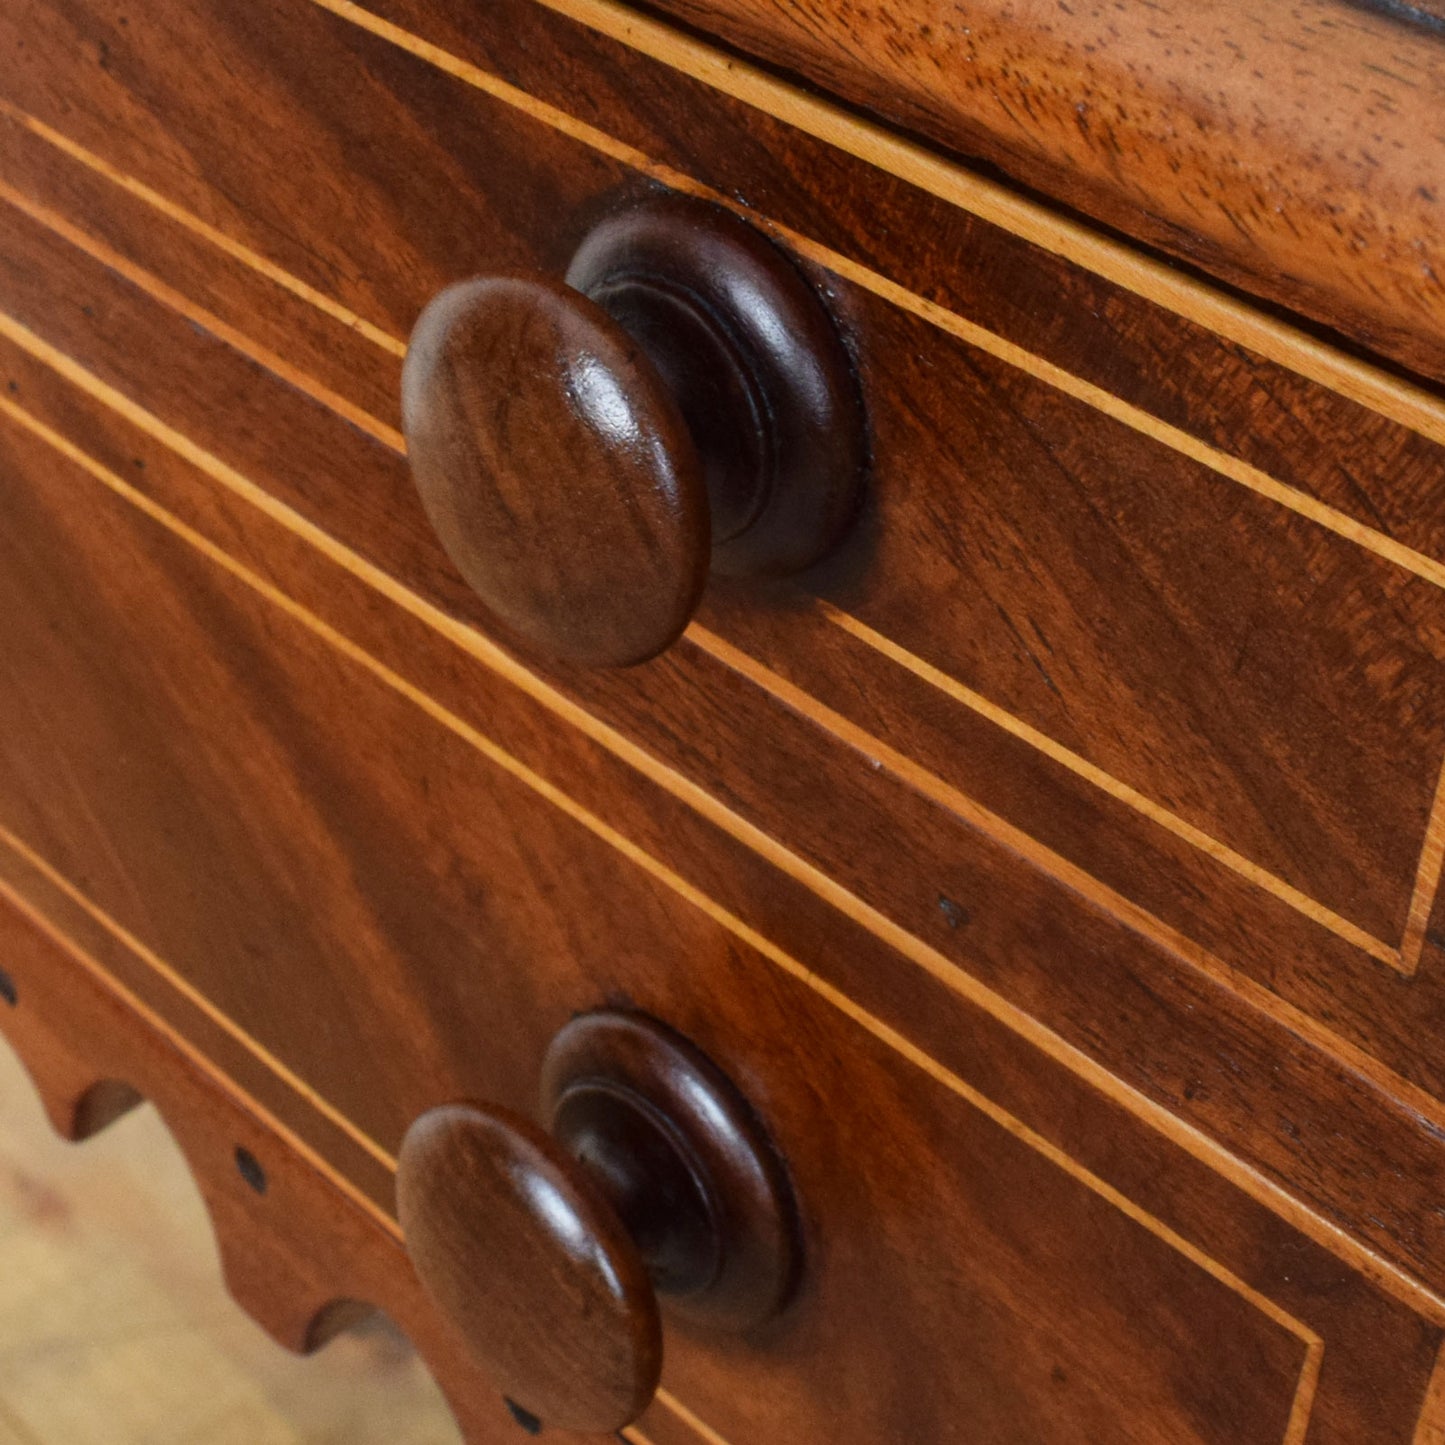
[550, 1253]
[587, 452]
[1291, 149]
[1054, 868]
[1221, 985]
[527, 1257]
[685, 1160]
[757, 364]
[1173, 1273]
[557, 469]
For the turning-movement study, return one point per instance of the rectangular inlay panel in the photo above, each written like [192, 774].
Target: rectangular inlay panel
[270, 815]
[1169, 1002]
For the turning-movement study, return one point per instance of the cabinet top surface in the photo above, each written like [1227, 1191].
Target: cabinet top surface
[1292, 149]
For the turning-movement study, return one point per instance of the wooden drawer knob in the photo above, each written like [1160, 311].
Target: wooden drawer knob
[549, 1252]
[587, 452]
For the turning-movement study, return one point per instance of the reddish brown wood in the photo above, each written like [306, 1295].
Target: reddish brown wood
[1176, 1028]
[308, 1257]
[449, 928]
[757, 366]
[687, 1163]
[1290, 149]
[532, 1264]
[1020, 1041]
[550, 1256]
[587, 451]
[557, 469]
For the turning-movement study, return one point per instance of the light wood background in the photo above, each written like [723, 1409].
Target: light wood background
[115, 1328]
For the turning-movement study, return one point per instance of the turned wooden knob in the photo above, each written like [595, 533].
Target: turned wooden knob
[552, 1253]
[588, 451]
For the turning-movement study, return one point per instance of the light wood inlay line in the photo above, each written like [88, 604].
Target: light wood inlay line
[1287, 346]
[1383, 952]
[178, 1041]
[1314, 1345]
[189, 992]
[1370, 1264]
[967, 331]
[1427, 882]
[1192, 1140]
[1254, 873]
[1313, 1342]
[1107, 783]
[229, 1086]
[169, 297]
[700, 1428]
[1082, 882]
[218, 238]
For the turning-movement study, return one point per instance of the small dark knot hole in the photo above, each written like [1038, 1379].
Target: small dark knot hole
[8, 992]
[249, 1168]
[525, 1418]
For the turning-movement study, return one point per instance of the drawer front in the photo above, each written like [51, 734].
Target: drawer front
[1079, 815]
[1157, 613]
[285, 842]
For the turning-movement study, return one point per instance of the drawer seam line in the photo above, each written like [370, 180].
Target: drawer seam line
[310, 1097]
[918, 166]
[980, 338]
[240, 1095]
[1218, 851]
[1307, 1384]
[1184, 1135]
[469, 640]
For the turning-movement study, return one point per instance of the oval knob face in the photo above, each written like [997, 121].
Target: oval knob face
[556, 469]
[529, 1260]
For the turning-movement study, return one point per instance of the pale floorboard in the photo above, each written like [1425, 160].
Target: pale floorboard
[115, 1328]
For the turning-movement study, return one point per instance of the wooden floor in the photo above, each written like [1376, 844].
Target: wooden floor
[115, 1328]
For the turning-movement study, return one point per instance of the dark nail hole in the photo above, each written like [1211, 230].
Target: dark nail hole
[8, 991]
[525, 1418]
[249, 1168]
[954, 914]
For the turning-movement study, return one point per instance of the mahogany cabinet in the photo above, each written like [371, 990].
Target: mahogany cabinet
[828, 778]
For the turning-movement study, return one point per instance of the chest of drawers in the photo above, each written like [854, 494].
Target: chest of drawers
[1043, 864]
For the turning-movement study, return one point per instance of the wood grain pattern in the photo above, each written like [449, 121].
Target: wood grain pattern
[292, 1256]
[1255, 937]
[1290, 149]
[557, 469]
[1186, 1186]
[800, 1126]
[1379, 935]
[532, 1265]
[1167, 1058]
[1079, 825]
[755, 993]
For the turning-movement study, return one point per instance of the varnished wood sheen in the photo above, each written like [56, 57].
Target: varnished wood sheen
[1192, 926]
[1292, 149]
[771, 1026]
[556, 469]
[586, 452]
[1054, 864]
[522, 1252]
[550, 1256]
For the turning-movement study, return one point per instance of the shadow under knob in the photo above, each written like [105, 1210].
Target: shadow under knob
[587, 452]
[552, 1254]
